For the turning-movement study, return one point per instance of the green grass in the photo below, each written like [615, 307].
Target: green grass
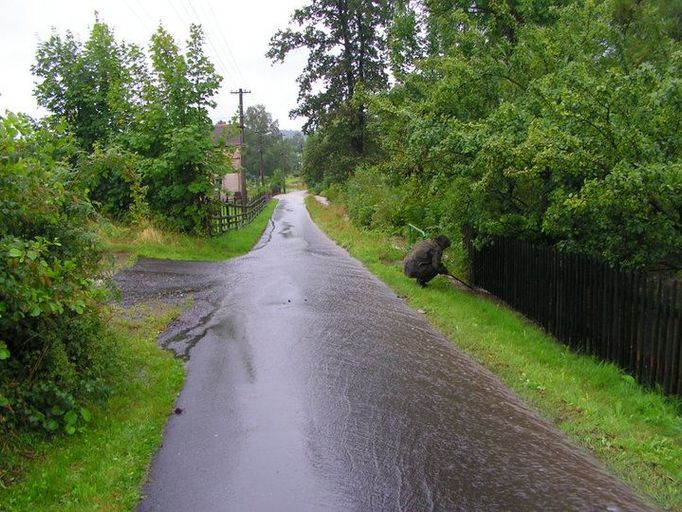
[102, 468]
[154, 243]
[637, 433]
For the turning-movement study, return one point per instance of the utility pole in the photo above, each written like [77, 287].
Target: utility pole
[242, 175]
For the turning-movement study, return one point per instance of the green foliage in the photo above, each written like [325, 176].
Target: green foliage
[404, 43]
[138, 211]
[104, 466]
[51, 356]
[145, 131]
[627, 217]
[294, 141]
[311, 161]
[155, 243]
[264, 143]
[174, 134]
[326, 156]
[346, 44]
[373, 202]
[272, 185]
[554, 121]
[277, 180]
[180, 188]
[110, 173]
[90, 85]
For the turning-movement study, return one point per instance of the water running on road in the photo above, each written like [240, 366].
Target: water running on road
[311, 386]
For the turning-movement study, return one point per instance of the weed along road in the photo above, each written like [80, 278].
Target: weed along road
[311, 386]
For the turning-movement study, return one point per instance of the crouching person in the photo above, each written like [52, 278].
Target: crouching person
[424, 261]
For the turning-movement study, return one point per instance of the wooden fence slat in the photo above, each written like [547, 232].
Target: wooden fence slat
[664, 355]
[623, 309]
[235, 216]
[676, 367]
[613, 312]
[658, 362]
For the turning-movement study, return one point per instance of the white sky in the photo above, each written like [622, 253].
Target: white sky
[238, 33]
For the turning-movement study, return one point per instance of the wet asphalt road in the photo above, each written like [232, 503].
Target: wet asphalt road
[311, 386]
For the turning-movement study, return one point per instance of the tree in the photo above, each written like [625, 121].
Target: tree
[141, 130]
[203, 79]
[347, 55]
[263, 143]
[174, 134]
[502, 19]
[294, 142]
[97, 88]
[168, 93]
[406, 41]
[88, 84]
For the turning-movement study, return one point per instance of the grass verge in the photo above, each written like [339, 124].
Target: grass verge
[637, 433]
[154, 243]
[101, 468]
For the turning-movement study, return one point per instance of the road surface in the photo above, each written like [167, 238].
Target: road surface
[312, 387]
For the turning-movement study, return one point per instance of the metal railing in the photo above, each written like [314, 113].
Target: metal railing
[411, 234]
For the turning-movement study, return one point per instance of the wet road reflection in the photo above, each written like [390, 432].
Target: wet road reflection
[311, 386]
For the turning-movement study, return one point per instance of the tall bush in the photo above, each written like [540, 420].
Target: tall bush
[179, 179]
[50, 331]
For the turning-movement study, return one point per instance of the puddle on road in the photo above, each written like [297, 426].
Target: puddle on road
[287, 230]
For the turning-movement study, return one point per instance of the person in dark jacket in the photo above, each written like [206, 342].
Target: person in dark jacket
[424, 261]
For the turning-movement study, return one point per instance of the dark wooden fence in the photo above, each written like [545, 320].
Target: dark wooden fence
[630, 318]
[235, 215]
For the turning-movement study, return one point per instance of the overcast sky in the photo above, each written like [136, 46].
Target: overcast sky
[237, 33]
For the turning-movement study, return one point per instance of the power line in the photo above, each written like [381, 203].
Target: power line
[175, 10]
[143, 24]
[208, 38]
[146, 13]
[222, 37]
[225, 50]
[227, 75]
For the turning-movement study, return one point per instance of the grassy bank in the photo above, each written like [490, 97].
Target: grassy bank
[635, 432]
[102, 468]
[154, 243]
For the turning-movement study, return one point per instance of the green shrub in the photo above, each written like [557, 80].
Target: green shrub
[364, 192]
[50, 329]
[333, 192]
[113, 179]
[181, 191]
[277, 181]
[377, 201]
[256, 190]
